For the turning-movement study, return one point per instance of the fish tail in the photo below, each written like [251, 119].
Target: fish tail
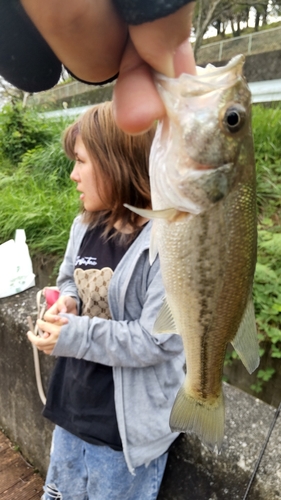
[204, 419]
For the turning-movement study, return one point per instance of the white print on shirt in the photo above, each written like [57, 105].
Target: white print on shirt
[86, 261]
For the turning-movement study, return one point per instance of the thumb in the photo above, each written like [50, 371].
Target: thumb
[157, 42]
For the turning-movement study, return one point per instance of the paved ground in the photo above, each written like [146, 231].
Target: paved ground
[18, 480]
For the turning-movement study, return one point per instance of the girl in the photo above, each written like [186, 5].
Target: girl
[114, 381]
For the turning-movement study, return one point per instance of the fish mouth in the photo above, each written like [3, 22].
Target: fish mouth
[205, 81]
[199, 170]
[196, 166]
[201, 166]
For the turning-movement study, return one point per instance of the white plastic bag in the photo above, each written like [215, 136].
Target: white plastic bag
[16, 273]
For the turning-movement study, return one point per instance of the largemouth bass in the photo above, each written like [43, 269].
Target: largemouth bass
[202, 175]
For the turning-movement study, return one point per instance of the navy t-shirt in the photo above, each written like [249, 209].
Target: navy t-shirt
[81, 393]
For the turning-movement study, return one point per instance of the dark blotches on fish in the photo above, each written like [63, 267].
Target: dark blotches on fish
[215, 186]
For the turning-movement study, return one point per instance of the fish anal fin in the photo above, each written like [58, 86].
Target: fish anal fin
[245, 342]
[202, 418]
[165, 322]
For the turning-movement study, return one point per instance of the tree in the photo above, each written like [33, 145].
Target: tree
[239, 13]
[221, 13]
[218, 13]
[261, 9]
[206, 12]
[9, 93]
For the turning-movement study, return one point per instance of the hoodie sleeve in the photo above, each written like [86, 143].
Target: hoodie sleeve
[143, 11]
[65, 281]
[121, 343]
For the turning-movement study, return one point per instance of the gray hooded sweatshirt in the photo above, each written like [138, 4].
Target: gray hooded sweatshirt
[147, 367]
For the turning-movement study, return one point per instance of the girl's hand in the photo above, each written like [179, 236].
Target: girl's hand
[65, 304]
[52, 324]
[51, 334]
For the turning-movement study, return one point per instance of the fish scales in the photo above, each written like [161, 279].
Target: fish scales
[202, 175]
[208, 283]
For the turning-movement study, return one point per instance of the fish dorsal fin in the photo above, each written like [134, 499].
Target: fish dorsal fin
[245, 342]
[166, 213]
[165, 322]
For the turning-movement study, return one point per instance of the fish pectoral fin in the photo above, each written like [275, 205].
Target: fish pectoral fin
[165, 322]
[245, 342]
[205, 419]
[167, 213]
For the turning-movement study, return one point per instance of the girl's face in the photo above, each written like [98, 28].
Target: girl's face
[85, 173]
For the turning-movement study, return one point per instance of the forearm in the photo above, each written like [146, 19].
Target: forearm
[88, 37]
[115, 343]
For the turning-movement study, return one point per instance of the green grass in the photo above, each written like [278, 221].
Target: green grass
[36, 192]
[40, 207]
[267, 136]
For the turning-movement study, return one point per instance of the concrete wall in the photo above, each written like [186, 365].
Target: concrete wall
[73, 94]
[239, 377]
[258, 67]
[20, 405]
[192, 471]
[264, 41]
[261, 67]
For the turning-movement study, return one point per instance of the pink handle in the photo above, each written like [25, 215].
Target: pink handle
[51, 295]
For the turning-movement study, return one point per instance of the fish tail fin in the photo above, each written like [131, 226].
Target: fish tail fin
[204, 419]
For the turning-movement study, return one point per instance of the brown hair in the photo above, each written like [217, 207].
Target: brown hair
[122, 161]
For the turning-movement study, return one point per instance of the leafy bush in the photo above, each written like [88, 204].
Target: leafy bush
[35, 189]
[23, 130]
[19, 131]
[48, 162]
[267, 285]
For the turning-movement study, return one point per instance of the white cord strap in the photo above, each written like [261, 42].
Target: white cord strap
[41, 308]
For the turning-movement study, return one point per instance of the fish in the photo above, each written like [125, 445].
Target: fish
[203, 189]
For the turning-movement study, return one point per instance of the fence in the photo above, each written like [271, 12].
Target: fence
[254, 43]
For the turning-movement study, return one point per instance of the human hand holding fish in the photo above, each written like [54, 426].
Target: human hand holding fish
[202, 173]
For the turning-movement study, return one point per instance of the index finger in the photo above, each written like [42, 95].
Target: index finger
[51, 317]
[39, 342]
[136, 102]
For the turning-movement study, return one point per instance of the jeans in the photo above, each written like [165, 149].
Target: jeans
[83, 471]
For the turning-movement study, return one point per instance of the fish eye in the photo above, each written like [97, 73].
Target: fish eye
[234, 118]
